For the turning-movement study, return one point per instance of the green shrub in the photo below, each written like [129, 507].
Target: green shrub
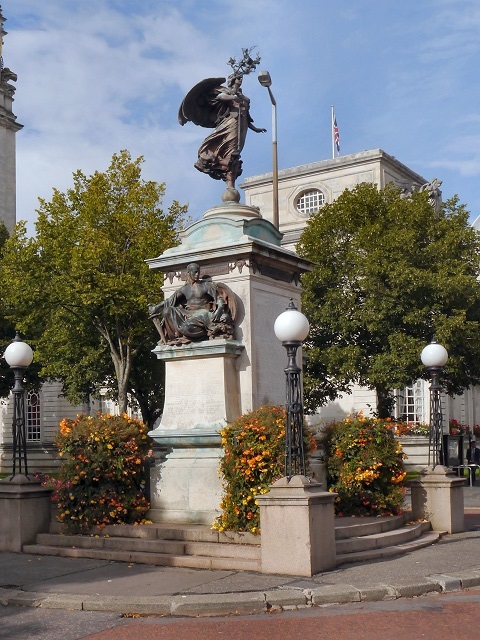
[102, 475]
[364, 466]
[254, 456]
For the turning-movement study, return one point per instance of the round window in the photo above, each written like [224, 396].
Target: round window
[310, 201]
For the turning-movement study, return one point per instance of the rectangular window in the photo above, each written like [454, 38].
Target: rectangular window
[33, 417]
[410, 403]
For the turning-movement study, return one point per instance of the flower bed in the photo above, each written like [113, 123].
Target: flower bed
[254, 454]
[364, 466]
[101, 479]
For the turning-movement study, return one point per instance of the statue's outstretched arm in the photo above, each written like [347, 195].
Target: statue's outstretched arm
[256, 129]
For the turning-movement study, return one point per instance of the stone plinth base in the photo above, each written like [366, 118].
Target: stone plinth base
[26, 510]
[201, 395]
[437, 496]
[297, 521]
[201, 385]
[186, 488]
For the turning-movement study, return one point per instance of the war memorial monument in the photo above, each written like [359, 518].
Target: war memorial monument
[225, 284]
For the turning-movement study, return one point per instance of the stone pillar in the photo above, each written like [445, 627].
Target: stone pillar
[437, 496]
[26, 510]
[297, 522]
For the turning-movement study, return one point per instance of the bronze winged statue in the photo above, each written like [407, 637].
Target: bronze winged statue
[226, 110]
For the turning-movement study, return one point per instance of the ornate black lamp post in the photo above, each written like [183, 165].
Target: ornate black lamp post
[291, 327]
[434, 356]
[266, 81]
[19, 356]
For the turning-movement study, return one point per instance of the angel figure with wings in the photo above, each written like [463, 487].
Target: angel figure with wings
[226, 110]
[200, 310]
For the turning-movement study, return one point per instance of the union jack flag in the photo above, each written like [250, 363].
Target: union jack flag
[336, 135]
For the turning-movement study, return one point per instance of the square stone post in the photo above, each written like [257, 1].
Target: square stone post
[437, 496]
[297, 522]
[26, 510]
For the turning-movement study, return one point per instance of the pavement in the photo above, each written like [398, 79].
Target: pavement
[452, 564]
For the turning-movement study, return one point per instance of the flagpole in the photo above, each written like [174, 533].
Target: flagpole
[333, 133]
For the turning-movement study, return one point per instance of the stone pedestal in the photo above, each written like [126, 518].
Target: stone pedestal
[201, 395]
[25, 509]
[214, 382]
[438, 497]
[297, 521]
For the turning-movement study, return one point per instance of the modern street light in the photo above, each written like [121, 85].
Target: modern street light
[291, 327]
[19, 356]
[434, 356]
[266, 81]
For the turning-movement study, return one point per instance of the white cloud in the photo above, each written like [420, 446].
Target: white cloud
[97, 76]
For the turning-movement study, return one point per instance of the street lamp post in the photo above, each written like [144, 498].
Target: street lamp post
[291, 327]
[19, 356]
[434, 356]
[266, 81]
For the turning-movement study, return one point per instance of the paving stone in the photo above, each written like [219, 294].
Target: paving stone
[214, 605]
[338, 594]
[27, 598]
[376, 593]
[6, 594]
[412, 588]
[153, 605]
[67, 601]
[467, 579]
[448, 583]
[286, 597]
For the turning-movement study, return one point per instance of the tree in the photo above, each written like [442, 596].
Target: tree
[81, 287]
[389, 275]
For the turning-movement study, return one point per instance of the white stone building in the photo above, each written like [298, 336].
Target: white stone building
[301, 191]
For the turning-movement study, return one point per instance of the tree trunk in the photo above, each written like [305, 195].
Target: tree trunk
[122, 361]
[385, 402]
[149, 415]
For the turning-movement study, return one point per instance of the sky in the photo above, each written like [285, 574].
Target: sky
[99, 76]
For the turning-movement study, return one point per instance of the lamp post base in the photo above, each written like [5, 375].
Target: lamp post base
[26, 510]
[437, 496]
[297, 520]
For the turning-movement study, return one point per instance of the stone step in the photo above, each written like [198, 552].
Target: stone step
[183, 532]
[200, 547]
[149, 545]
[352, 527]
[381, 540]
[425, 540]
[139, 557]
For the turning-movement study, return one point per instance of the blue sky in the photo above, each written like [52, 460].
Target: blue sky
[97, 76]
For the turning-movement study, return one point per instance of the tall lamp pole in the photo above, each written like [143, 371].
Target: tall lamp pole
[291, 327]
[266, 81]
[19, 356]
[434, 356]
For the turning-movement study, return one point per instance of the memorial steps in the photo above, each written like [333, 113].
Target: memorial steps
[199, 547]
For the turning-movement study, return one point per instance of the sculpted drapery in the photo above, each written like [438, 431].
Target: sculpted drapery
[226, 110]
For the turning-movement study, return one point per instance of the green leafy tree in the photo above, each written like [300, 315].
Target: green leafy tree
[7, 331]
[389, 275]
[81, 287]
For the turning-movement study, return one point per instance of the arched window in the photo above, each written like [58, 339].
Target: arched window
[34, 423]
[310, 201]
